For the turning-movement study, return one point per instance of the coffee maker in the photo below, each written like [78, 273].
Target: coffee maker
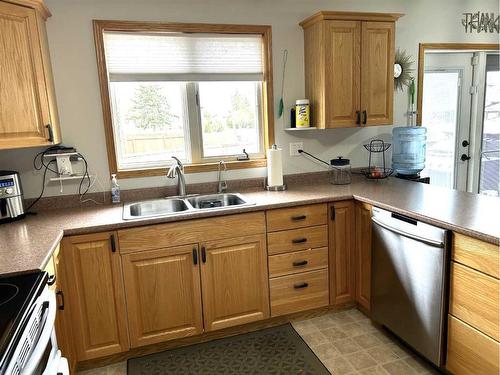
[11, 196]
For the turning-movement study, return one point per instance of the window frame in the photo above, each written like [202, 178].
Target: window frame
[101, 26]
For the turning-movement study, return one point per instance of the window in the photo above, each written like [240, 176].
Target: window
[201, 93]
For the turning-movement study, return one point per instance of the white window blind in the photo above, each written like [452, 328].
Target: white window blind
[183, 57]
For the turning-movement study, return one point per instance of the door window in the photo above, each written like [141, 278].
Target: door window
[490, 144]
[440, 116]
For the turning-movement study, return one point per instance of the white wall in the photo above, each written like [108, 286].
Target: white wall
[74, 64]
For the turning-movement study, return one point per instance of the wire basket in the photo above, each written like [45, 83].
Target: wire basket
[372, 172]
[377, 145]
[375, 173]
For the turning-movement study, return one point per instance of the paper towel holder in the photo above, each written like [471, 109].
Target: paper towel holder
[274, 188]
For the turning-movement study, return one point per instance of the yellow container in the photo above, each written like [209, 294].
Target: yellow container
[302, 113]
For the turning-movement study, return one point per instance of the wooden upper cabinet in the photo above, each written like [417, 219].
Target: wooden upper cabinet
[163, 294]
[234, 281]
[95, 295]
[342, 80]
[377, 72]
[349, 63]
[28, 112]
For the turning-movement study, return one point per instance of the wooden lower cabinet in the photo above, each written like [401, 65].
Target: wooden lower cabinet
[57, 281]
[95, 295]
[341, 257]
[298, 261]
[363, 254]
[163, 294]
[479, 255]
[234, 281]
[470, 352]
[299, 292]
[474, 299]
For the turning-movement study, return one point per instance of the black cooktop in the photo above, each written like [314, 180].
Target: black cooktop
[17, 293]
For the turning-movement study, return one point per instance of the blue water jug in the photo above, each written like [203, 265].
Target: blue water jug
[408, 153]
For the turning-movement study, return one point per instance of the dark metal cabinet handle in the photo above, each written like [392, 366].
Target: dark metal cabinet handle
[299, 263]
[365, 117]
[195, 256]
[299, 240]
[299, 217]
[464, 157]
[60, 294]
[113, 243]
[300, 286]
[203, 254]
[51, 280]
[465, 143]
[332, 213]
[50, 137]
[358, 117]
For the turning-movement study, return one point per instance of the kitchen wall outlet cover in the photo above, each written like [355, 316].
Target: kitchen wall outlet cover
[295, 147]
[64, 167]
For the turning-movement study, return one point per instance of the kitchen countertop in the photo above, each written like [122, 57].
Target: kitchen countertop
[27, 245]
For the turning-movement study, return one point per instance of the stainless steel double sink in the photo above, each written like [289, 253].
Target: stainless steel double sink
[178, 205]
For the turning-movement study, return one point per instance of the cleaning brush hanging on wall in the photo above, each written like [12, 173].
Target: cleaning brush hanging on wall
[281, 105]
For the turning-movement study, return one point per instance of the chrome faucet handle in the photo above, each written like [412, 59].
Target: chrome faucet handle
[172, 171]
[179, 163]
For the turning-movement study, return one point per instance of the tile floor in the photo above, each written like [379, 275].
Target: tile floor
[346, 342]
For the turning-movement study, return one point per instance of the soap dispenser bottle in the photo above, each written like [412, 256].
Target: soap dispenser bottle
[115, 189]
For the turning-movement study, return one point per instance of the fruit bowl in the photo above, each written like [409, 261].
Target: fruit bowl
[376, 173]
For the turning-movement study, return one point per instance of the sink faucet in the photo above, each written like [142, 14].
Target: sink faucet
[177, 170]
[222, 182]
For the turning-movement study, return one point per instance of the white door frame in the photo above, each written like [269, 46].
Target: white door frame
[452, 63]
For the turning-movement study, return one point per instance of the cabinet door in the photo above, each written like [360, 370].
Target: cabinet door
[95, 295]
[363, 253]
[342, 73]
[377, 72]
[234, 281]
[57, 281]
[162, 289]
[341, 260]
[24, 103]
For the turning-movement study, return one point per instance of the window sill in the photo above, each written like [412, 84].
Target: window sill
[193, 168]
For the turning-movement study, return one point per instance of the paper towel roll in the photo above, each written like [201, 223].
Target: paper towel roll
[274, 167]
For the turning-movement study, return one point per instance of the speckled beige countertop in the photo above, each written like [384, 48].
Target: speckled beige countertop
[27, 245]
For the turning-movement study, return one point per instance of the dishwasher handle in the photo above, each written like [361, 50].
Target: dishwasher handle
[413, 236]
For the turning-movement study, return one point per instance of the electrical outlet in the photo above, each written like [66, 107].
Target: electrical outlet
[295, 147]
[64, 166]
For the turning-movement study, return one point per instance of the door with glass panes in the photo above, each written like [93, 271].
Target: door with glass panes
[461, 110]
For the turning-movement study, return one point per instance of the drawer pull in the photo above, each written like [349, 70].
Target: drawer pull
[299, 217]
[299, 240]
[195, 256]
[113, 243]
[60, 294]
[203, 254]
[299, 263]
[51, 280]
[300, 286]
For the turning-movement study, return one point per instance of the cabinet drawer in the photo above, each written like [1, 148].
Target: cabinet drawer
[480, 255]
[297, 239]
[474, 299]
[303, 291]
[296, 217]
[469, 351]
[298, 261]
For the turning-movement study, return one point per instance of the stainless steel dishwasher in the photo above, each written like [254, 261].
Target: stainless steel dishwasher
[408, 283]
